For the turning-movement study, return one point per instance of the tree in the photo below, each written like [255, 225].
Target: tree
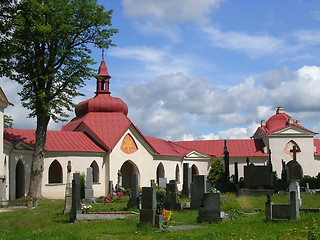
[50, 45]
[6, 11]
[7, 121]
[216, 173]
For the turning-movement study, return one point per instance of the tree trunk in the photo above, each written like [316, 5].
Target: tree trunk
[35, 188]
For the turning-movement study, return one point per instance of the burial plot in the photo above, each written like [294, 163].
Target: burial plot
[287, 211]
[148, 214]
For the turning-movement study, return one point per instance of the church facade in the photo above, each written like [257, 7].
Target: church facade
[102, 137]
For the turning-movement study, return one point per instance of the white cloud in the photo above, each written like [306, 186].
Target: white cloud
[239, 133]
[176, 106]
[156, 62]
[170, 11]
[253, 45]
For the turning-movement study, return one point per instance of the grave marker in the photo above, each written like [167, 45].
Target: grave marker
[76, 206]
[68, 193]
[186, 180]
[88, 192]
[198, 188]
[209, 210]
[134, 195]
[172, 196]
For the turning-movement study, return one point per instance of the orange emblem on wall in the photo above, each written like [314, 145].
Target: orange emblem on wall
[128, 145]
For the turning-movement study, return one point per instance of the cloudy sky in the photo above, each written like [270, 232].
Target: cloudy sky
[208, 69]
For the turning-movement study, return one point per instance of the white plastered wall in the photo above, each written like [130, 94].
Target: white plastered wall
[306, 159]
[142, 159]
[79, 163]
[169, 164]
[26, 158]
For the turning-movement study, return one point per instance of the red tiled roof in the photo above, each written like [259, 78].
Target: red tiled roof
[163, 147]
[236, 148]
[56, 140]
[279, 121]
[316, 143]
[108, 127]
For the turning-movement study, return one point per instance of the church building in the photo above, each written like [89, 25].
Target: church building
[102, 137]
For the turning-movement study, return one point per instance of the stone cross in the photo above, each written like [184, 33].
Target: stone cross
[294, 153]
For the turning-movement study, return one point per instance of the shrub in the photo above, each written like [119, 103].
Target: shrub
[216, 173]
[161, 196]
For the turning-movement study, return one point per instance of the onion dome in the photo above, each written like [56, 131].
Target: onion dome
[103, 101]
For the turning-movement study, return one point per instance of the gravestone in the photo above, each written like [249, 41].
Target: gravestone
[198, 188]
[148, 211]
[88, 191]
[3, 198]
[186, 180]
[258, 176]
[76, 206]
[119, 187]
[209, 210]
[236, 173]
[284, 172]
[110, 190]
[162, 182]
[295, 173]
[226, 162]
[172, 196]
[134, 195]
[152, 183]
[68, 193]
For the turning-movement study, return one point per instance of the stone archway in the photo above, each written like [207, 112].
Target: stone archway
[194, 171]
[20, 180]
[160, 172]
[126, 170]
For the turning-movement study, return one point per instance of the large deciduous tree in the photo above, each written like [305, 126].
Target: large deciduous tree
[6, 11]
[50, 46]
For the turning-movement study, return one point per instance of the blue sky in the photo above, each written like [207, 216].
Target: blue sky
[209, 69]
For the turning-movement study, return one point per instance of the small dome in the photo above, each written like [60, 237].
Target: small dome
[101, 103]
[277, 121]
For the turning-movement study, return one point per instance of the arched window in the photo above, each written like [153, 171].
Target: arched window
[55, 172]
[20, 180]
[194, 171]
[160, 172]
[95, 172]
[288, 149]
[177, 174]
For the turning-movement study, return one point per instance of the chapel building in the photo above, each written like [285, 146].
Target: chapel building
[102, 137]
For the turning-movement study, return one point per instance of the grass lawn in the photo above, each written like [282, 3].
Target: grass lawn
[47, 222]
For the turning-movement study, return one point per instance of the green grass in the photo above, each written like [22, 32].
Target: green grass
[48, 222]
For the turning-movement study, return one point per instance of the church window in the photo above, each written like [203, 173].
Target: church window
[95, 172]
[55, 172]
[289, 147]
